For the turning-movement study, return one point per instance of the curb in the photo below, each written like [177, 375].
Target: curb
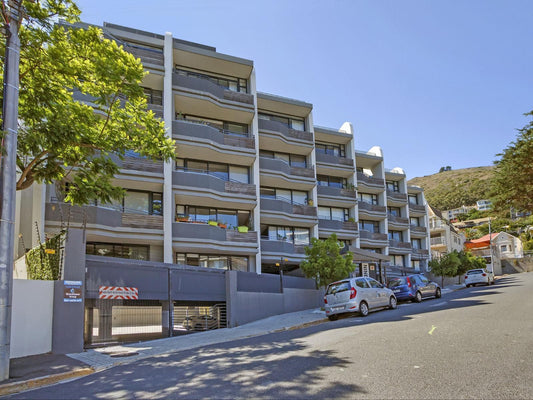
[16, 387]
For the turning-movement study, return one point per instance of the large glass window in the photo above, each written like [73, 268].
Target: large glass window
[131, 251]
[136, 202]
[394, 211]
[234, 263]
[414, 221]
[298, 124]
[227, 127]
[413, 199]
[338, 150]
[370, 226]
[333, 213]
[333, 181]
[231, 218]
[393, 186]
[225, 172]
[153, 96]
[416, 244]
[396, 235]
[397, 260]
[368, 198]
[297, 197]
[230, 83]
[297, 236]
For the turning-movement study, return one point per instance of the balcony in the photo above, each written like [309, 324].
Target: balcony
[147, 55]
[287, 208]
[140, 164]
[419, 230]
[393, 219]
[206, 86]
[395, 244]
[373, 236]
[281, 166]
[370, 181]
[438, 241]
[420, 253]
[279, 127]
[417, 209]
[205, 232]
[206, 131]
[328, 224]
[396, 196]
[202, 180]
[332, 159]
[331, 191]
[101, 216]
[371, 208]
[281, 247]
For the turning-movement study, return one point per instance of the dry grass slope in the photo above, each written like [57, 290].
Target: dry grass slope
[452, 189]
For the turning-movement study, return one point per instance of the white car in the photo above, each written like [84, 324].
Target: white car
[480, 275]
[357, 295]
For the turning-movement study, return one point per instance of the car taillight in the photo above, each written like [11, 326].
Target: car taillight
[466, 277]
[483, 274]
[408, 282]
[325, 300]
[353, 293]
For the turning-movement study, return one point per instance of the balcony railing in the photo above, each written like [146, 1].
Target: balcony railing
[205, 85]
[419, 229]
[206, 131]
[273, 164]
[372, 207]
[203, 231]
[337, 225]
[373, 236]
[399, 245]
[417, 208]
[276, 126]
[396, 196]
[281, 247]
[331, 159]
[287, 207]
[397, 220]
[203, 180]
[336, 192]
[370, 181]
[420, 252]
[438, 241]
[147, 56]
[140, 164]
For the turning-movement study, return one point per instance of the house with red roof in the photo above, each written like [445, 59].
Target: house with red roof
[495, 247]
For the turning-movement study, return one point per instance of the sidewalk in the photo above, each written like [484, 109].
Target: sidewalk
[40, 370]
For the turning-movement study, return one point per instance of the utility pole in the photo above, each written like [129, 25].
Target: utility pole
[8, 176]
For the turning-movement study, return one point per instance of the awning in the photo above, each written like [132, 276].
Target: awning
[360, 255]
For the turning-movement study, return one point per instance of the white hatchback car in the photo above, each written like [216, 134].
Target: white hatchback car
[480, 275]
[357, 295]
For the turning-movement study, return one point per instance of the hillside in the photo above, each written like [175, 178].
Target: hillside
[452, 189]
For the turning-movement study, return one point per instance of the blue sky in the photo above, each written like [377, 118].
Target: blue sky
[434, 83]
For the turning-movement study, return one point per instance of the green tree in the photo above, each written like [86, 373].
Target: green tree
[447, 266]
[468, 261]
[325, 263]
[513, 177]
[62, 139]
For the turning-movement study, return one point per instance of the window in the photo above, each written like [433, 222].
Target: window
[368, 198]
[333, 181]
[230, 83]
[337, 150]
[370, 226]
[397, 260]
[504, 248]
[227, 127]
[414, 221]
[225, 172]
[137, 202]
[396, 235]
[131, 251]
[394, 211]
[234, 263]
[231, 218]
[297, 197]
[333, 213]
[297, 236]
[416, 244]
[362, 283]
[415, 264]
[294, 160]
[393, 186]
[298, 124]
[413, 199]
[153, 96]
[375, 284]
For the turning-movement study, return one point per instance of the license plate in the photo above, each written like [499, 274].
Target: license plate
[395, 290]
[337, 308]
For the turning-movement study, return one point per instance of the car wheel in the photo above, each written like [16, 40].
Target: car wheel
[393, 303]
[418, 297]
[363, 309]
[467, 286]
[438, 293]
[333, 317]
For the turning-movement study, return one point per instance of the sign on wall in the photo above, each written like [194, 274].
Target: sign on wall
[118, 293]
[72, 292]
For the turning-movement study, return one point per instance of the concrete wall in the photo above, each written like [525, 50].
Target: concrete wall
[31, 320]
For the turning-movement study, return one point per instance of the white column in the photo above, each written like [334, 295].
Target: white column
[168, 114]
[255, 176]
[312, 160]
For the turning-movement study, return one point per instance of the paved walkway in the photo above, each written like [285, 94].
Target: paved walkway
[34, 371]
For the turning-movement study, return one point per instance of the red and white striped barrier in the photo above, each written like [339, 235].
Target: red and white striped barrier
[118, 292]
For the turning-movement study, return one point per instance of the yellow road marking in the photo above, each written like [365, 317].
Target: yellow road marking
[433, 327]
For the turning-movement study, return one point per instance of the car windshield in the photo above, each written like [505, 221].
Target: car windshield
[338, 287]
[475, 271]
[397, 282]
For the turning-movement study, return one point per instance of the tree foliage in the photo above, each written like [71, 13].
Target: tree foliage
[513, 177]
[447, 265]
[325, 263]
[63, 139]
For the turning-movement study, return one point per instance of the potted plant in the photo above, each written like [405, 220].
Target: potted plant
[222, 225]
[213, 223]
[182, 218]
[242, 229]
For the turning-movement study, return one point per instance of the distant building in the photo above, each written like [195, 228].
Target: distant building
[444, 237]
[496, 247]
[451, 215]
[483, 205]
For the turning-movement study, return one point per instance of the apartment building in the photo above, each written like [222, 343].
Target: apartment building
[444, 237]
[252, 182]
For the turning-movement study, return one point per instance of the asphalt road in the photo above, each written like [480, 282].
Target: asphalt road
[472, 343]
